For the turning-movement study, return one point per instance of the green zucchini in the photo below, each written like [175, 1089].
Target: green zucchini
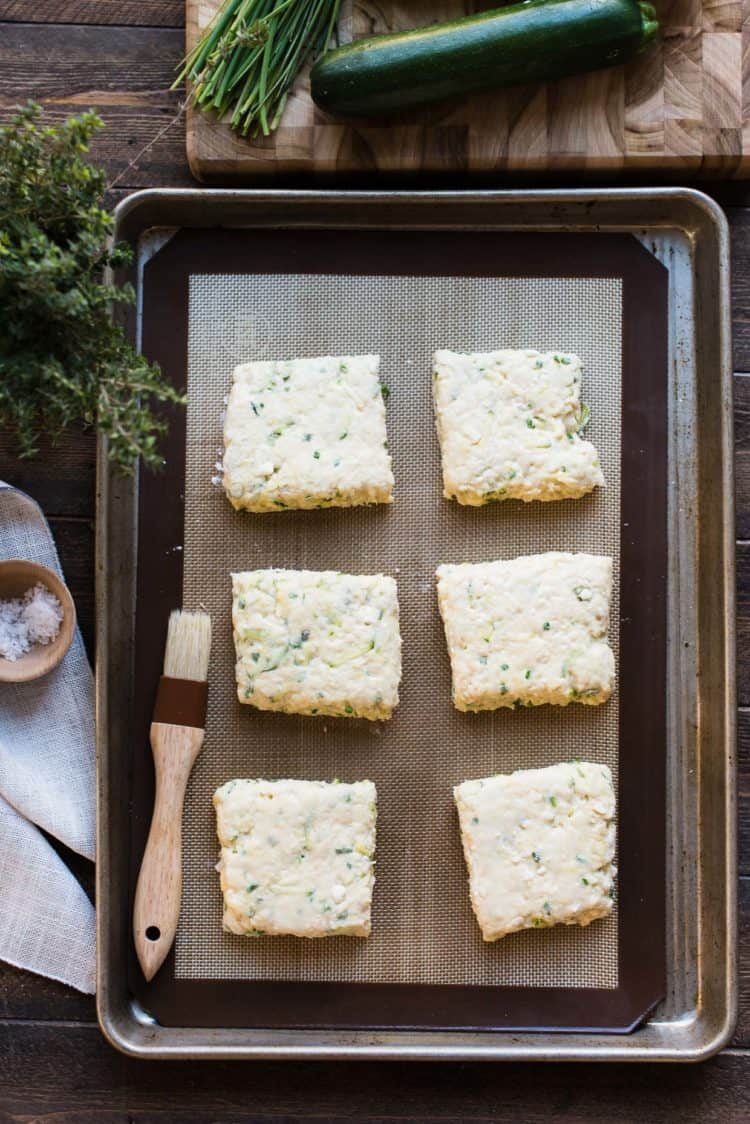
[535, 41]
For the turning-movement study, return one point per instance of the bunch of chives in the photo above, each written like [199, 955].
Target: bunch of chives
[248, 58]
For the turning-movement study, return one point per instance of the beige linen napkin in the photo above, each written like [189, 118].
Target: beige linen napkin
[47, 778]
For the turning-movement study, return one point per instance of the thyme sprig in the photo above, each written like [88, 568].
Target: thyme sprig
[247, 60]
[62, 358]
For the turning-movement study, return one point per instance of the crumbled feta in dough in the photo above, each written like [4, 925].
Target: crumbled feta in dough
[317, 642]
[539, 846]
[297, 857]
[527, 631]
[306, 433]
[508, 423]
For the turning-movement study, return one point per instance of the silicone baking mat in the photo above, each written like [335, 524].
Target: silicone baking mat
[423, 928]
[286, 294]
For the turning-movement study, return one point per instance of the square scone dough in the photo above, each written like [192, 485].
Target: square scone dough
[297, 857]
[317, 642]
[539, 847]
[306, 433]
[508, 424]
[528, 631]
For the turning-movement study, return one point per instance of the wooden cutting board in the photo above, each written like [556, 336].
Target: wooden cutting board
[682, 107]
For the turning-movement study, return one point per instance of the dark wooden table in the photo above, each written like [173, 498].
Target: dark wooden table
[119, 55]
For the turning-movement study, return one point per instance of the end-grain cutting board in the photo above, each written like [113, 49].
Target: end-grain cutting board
[683, 106]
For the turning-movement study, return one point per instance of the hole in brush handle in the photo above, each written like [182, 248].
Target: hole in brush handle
[153, 933]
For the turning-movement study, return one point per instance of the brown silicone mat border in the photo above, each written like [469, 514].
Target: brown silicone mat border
[643, 661]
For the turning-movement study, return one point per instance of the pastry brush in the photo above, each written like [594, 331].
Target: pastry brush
[177, 732]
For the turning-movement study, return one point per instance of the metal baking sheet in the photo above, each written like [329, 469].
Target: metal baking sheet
[686, 232]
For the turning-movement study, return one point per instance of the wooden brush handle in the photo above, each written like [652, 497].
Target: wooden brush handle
[159, 890]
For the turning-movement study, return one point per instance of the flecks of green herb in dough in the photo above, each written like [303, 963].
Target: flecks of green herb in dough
[547, 908]
[252, 886]
[546, 626]
[553, 801]
[530, 423]
[535, 856]
[585, 881]
[527, 673]
[504, 666]
[503, 689]
[316, 455]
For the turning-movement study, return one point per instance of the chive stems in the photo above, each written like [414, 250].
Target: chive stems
[246, 61]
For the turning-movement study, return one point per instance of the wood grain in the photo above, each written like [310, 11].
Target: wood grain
[742, 454]
[69, 492]
[124, 72]
[739, 221]
[74, 539]
[158, 894]
[681, 107]
[742, 1033]
[743, 795]
[743, 623]
[69, 1075]
[141, 13]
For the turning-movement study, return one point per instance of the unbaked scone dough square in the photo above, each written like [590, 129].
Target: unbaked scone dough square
[529, 630]
[317, 642]
[539, 846]
[508, 424]
[306, 433]
[297, 857]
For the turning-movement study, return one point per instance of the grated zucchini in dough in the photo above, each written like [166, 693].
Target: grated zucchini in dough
[539, 846]
[297, 857]
[317, 642]
[529, 630]
[509, 426]
[307, 433]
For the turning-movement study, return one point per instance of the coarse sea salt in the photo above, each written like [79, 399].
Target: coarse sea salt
[34, 618]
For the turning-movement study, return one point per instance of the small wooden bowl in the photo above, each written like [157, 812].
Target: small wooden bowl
[16, 576]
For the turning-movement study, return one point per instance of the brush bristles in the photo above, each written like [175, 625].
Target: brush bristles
[188, 646]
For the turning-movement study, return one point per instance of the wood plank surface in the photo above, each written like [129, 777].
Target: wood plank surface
[124, 72]
[681, 107]
[739, 220]
[140, 13]
[67, 1074]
